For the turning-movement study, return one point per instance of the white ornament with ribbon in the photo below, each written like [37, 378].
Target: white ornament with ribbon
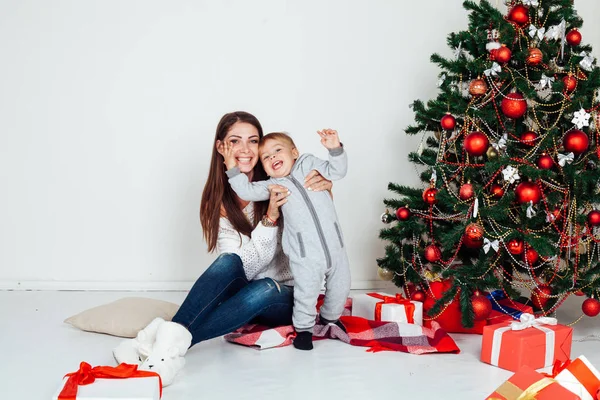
[565, 159]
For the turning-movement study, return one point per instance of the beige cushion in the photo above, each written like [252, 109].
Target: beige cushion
[124, 317]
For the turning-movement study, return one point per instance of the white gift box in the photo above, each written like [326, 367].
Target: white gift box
[363, 305]
[581, 378]
[146, 388]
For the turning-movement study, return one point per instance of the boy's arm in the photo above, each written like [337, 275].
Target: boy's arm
[334, 168]
[246, 190]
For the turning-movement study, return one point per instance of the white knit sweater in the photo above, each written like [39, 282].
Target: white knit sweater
[261, 253]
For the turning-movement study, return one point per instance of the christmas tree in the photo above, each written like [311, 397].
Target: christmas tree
[510, 167]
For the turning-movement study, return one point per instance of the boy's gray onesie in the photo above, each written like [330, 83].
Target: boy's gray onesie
[312, 238]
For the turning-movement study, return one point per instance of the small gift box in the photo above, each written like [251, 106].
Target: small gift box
[385, 307]
[536, 343]
[505, 309]
[528, 384]
[123, 382]
[579, 376]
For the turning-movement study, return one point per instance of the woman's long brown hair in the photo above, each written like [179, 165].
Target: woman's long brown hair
[217, 191]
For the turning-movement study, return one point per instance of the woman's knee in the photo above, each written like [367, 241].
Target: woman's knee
[229, 263]
[266, 291]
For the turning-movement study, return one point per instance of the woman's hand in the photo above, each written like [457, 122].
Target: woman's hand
[314, 181]
[278, 198]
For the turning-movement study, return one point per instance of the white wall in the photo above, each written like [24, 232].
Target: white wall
[108, 111]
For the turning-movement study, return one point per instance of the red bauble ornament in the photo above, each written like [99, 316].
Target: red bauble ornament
[497, 191]
[591, 307]
[476, 143]
[539, 296]
[579, 293]
[531, 256]
[519, 14]
[418, 295]
[515, 246]
[429, 196]
[576, 141]
[432, 253]
[545, 162]
[534, 56]
[448, 122]
[570, 83]
[593, 218]
[466, 191]
[473, 236]
[502, 55]
[403, 213]
[514, 105]
[574, 37]
[528, 138]
[528, 191]
[482, 307]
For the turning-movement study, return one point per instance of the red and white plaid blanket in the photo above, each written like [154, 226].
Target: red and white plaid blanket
[377, 336]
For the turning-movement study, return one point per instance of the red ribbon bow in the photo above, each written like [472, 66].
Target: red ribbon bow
[86, 375]
[409, 308]
[580, 371]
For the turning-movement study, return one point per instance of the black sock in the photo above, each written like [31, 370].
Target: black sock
[337, 322]
[303, 341]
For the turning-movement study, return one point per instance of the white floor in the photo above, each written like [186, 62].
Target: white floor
[38, 349]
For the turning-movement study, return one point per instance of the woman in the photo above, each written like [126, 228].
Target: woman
[250, 281]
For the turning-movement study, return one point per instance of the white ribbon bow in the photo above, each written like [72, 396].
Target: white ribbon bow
[530, 211]
[433, 177]
[501, 143]
[487, 244]
[565, 159]
[546, 81]
[533, 31]
[587, 61]
[529, 321]
[556, 31]
[441, 80]
[493, 70]
[511, 174]
[531, 3]
[581, 118]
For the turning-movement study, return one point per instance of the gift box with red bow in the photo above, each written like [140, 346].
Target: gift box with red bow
[386, 307]
[579, 376]
[528, 384]
[124, 382]
[536, 343]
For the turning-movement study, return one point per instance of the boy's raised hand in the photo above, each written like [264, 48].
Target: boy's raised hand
[329, 138]
[226, 150]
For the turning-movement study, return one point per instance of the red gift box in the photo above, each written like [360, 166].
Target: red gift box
[533, 343]
[528, 384]
[450, 319]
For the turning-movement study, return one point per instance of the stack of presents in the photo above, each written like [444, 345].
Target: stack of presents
[513, 339]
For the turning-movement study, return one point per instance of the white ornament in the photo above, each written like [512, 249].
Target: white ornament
[531, 3]
[533, 32]
[511, 174]
[487, 245]
[581, 118]
[494, 70]
[501, 143]
[587, 61]
[530, 211]
[565, 159]
[458, 51]
[545, 81]
[441, 80]
[475, 207]
[433, 177]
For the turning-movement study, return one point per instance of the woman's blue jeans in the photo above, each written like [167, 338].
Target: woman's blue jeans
[222, 300]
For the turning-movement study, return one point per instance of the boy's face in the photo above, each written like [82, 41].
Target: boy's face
[278, 157]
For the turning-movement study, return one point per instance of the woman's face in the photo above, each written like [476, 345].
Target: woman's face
[244, 139]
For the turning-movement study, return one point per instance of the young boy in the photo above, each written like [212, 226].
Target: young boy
[312, 238]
